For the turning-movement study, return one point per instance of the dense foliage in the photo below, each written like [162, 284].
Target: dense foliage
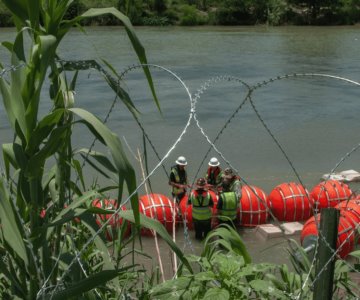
[218, 12]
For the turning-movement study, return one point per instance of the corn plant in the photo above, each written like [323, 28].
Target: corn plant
[40, 235]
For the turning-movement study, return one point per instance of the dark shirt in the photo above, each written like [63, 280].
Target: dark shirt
[182, 175]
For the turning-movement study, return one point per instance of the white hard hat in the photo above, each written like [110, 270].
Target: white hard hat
[181, 161]
[214, 162]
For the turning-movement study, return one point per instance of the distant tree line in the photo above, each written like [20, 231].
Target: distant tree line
[220, 12]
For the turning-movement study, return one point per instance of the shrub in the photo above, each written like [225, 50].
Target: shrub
[191, 16]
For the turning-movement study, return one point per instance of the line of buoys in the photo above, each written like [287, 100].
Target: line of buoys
[288, 202]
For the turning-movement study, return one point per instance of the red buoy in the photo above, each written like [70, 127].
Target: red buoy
[351, 206]
[345, 239]
[252, 210]
[115, 222]
[329, 193]
[159, 207]
[290, 202]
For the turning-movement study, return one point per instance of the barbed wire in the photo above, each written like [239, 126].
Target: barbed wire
[90, 240]
[193, 114]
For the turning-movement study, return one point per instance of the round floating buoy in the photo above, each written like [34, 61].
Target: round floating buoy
[158, 207]
[186, 210]
[290, 202]
[252, 210]
[346, 234]
[329, 193]
[115, 222]
[351, 206]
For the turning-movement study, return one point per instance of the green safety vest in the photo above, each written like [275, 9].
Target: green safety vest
[230, 204]
[176, 190]
[200, 206]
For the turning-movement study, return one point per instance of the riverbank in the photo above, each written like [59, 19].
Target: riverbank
[201, 12]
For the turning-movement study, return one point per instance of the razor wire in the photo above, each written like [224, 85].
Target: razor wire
[90, 240]
[193, 114]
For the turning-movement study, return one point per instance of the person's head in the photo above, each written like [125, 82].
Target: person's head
[228, 172]
[181, 161]
[214, 162]
[229, 175]
[225, 186]
[200, 184]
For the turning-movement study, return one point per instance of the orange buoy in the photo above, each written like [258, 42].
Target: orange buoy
[186, 210]
[290, 202]
[159, 207]
[329, 193]
[115, 222]
[253, 207]
[351, 206]
[346, 233]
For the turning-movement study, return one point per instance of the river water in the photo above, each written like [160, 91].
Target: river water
[315, 119]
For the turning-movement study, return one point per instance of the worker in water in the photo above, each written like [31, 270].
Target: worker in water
[202, 204]
[233, 182]
[214, 173]
[178, 179]
[227, 206]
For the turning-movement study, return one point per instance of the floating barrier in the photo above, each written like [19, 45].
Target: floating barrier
[186, 210]
[113, 226]
[346, 233]
[330, 193]
[351, 206]
[252, 208]
[159, 207]
[290, 202]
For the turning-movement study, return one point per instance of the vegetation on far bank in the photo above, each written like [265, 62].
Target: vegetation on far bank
[219, 12]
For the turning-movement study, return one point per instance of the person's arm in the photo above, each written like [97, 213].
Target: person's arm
[238, 189]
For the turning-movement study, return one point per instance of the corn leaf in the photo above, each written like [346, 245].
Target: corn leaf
[11, 232]
[124, 169]
[43, 129]
[87, 284]
[17, 7]
[139, 49]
